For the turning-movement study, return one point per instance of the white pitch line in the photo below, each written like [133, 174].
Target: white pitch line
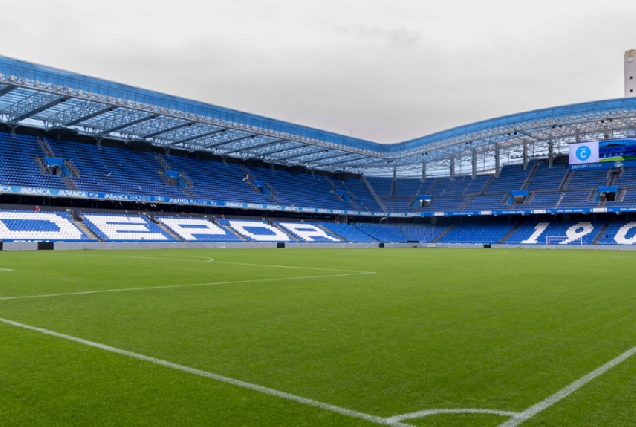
[177, 286]
[566, 391]
[221, 378]
[429, 412]
[208, 260]
[5, 269]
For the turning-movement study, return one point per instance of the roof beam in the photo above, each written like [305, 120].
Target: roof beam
[38, 109]
[228, 142]
[253, 147]
[88, 116]
[280, 150]
[170, 129]
[306, 153]
[203, 135]
[6, 89]
[125, 125]
[341, 161]
[332, 156]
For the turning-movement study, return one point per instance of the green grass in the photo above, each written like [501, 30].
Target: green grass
[431, 329]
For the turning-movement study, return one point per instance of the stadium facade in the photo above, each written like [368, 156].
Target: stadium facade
[87, 152]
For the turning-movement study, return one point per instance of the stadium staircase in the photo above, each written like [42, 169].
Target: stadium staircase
[46, 148]
[328, 231]
[86, 230]
[373, 193]
[613, 175]
[566, 179]
[466, 202]
[600, 235]
[535, 166]
[444, 233]
[510, 233]
[289, 234]
[487, 184]
[167, 230]
[230, 230]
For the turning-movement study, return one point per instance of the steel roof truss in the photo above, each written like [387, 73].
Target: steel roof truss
[32, 105]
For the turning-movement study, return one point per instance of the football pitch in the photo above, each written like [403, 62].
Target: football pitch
[318, 337]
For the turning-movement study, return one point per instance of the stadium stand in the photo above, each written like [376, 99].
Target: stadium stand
[300, 189]
[347, 232]
[477, 232]
[561, 232]
[257, 231]
[114, 170]
[383, 232]
[124, 228]
[197, 229]
[422, 233]
[309, 233]
[18, 164]
[619, 233]
[39, 226]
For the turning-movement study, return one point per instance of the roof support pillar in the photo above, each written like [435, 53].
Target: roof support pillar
[452, 168]
[394, 183]
[423, 171]
[525, 155]
[577, 135]
[497, 160]
[474, 163]
[550, 151]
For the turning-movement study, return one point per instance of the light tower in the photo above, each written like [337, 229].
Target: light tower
[630, 73]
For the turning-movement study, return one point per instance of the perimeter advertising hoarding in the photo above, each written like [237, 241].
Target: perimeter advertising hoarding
[603, 154]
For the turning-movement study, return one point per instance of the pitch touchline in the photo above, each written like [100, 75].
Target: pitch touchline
[179, 286]
[221, 378]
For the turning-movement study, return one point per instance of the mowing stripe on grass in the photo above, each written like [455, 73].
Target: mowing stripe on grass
[429, 412]
[180, 286]
[566, 391]
[221, 378]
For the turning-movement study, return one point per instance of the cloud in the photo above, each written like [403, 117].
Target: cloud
[396, 37]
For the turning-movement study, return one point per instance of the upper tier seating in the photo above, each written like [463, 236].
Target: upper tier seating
[511, 178]
[114, 170]
[216, 180]
[48, 226]
[301, 189]
[587, 179]
[545, 178]
[18, 165]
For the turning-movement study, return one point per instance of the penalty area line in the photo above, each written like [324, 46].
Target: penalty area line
[103, 291]
[251, 386]
[566, 391]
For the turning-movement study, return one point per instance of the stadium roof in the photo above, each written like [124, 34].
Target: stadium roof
[38, 96]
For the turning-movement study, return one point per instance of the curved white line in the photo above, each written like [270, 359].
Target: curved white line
[567, 390]
[429, 412]
[233, 381]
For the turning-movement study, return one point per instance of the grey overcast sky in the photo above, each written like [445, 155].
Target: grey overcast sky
[383, 70]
